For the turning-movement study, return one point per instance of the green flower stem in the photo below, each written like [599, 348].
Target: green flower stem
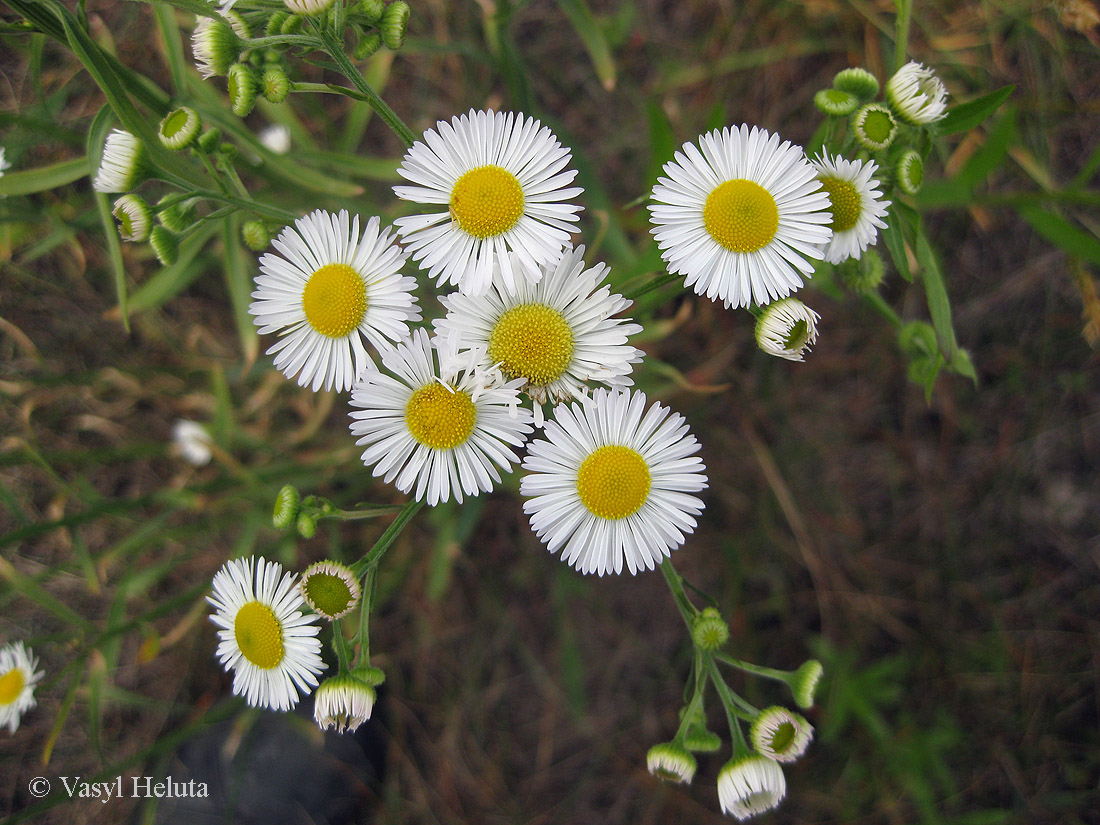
[336, 52]
[656, 283]
[676, 585]
[366, 604]
[696, 698]
[365, 513]
[231, 173]
[884, 309]
[303, 40]
[341, 645]
[729, 703]
[901, 39]
[374, 555]
[759, 670]
[249, 205]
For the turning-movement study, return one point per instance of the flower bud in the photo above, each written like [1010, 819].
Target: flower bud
[255, 235]
[874, 127]
[242, 88]
[372, 9]
[395, 19]
[864, 274]
[836, 102]
[804, 683]
[134, 218]
[307, 525]
[286, 508]
[780, 734]
[909, 172]
[709, 630]
[368, 44]
[857, 81]
[331, 589]
[179, 128]
[209, 140]
[174, 215]
[671, 762]
[274, 84]
[165, 245]
[275, 23]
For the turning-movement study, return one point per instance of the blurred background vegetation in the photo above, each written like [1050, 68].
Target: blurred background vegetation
[941, 557]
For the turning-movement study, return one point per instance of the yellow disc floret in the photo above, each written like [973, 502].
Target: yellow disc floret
[845, 202]
[335, 300]
[11, 685]
[741, 215]
[613, 482]
[259, 635]
[532, 341]
[440, 417]
[486, 201]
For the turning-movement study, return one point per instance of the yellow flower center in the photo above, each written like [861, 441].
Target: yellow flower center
[440, 417]
[335, 300]
[327, 593]
[259, 635]
[741, 215]
[486, 201]
[613, 482]
[11, 685]
[532, 341]
[845, 202]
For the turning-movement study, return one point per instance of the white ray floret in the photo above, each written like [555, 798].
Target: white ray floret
[502, 180]
[330, 293]
[787, 329]
[19, 675]
[856, 205]
[917, 94]
[741, 216]
[610, 485]
[435, 424]
[557, 333]
[265, 637]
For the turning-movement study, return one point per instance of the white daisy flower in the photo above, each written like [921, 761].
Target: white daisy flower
[740, 216]
[750, 785]
[556, 334]
[18, 677]
[217, 46]
[503, 178]
[342, 703]
[445, 430]
[5, 164]
[123, 165]
[609, 484]
[856, 205]
[331, 290]
[266, 639]
[787, 329]
[192, 442]
[276, 138]
[781, 734]
[917, 94]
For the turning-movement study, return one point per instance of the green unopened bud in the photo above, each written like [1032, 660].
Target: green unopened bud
[836, 102]
[395, 19]
[165, 245]
[175, 215]
[134, 218]
[292, 25]
[228, 150]
[275, 23]
[368, 44]
[286, 508]
[909, 172]
[709, 630]
[179, 128]
[217, 46]
[701, 740]
[255, 235]
[307, 525]
[857, 81]
[242, 87]
[371, 675]
[804, 683]
[274, 84]
[874, 127]
[209, 140]
[372, 9]
[864, 274]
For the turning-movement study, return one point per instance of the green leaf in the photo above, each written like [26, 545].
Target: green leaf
[968, 115]
[171, 280]
[173, 45]
[990, 155]
[962, 365]
[939, 306]
[662, 140]
[29, 181]
[1062, 233]
[580, 16]
[114, 249]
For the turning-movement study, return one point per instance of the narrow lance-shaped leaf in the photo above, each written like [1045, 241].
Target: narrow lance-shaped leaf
[968, 115]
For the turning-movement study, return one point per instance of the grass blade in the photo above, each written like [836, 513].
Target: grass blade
[591, 35]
